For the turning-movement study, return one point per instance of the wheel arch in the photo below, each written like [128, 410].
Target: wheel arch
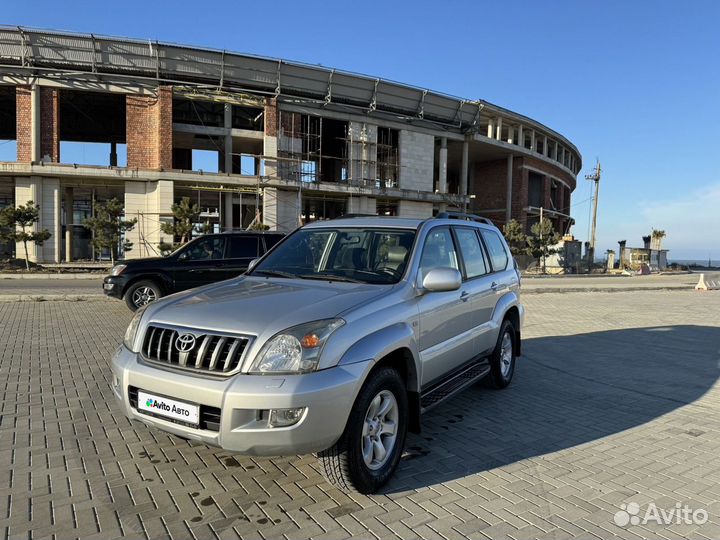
[162, 280]
[513, 315]
[393, 346]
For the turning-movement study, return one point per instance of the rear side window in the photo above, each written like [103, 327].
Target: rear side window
[496, 249]
[471, 252]
[243, 247]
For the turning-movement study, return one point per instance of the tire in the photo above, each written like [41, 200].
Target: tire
[344, 465]
[141, 293]
[502, 361]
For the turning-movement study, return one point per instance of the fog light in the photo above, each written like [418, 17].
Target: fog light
[285, 417]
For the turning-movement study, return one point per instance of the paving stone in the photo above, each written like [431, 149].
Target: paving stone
[615, 400]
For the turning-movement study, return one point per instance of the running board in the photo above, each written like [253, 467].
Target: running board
[449, 388]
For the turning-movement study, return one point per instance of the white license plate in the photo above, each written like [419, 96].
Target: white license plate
[169, 408]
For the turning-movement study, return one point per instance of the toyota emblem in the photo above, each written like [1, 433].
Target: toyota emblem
[185, 342]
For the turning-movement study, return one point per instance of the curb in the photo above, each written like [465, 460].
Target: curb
[607, 289]
[53, 298]
[51, 276]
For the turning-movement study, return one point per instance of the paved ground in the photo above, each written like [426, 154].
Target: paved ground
[615, 401]
[93, 287]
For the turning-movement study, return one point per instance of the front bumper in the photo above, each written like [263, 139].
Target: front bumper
[328, 396]
[115, 285]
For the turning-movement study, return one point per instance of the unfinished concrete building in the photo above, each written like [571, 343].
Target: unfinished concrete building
[251, 139]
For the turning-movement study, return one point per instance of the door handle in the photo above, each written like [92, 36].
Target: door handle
[494, 286]
[464, 296]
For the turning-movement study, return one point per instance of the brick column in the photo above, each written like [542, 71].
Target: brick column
[547, 185]
[49, 124]
[47, 121]
[520, 193]
[149, 130]
[23, 124]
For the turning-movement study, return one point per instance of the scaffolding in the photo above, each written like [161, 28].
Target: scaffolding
[314, 149]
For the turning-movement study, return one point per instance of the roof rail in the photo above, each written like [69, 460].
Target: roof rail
[466, 217]
[344, 216]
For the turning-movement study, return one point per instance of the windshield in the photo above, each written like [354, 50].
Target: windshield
[343, 254]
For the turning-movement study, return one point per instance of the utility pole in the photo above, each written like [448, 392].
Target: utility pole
[594, 177]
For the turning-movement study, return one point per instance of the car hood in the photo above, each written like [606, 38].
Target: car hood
[261, 306]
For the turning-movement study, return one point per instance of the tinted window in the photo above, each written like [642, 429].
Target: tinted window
[206, 249]
[345, 254]
[496, 249]
[472, 255]
[243, 246]
[438, 251]
[271, 240]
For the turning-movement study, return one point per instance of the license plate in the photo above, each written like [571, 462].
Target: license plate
[169, 408]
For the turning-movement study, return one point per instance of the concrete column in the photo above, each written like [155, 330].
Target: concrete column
[228, 211]
[532, 140]
[35, 118]
[562, 155]
[508, 188]
[48, 198]
[227, 166]
[414, 209]
[521, 136]
[555, 150]
[511, 132]
[491, 128]
[113, 154]
[442, 171]
[464, 168]
[69, 202]
[361, 205]
[498, 129]
[545, 146]
[280, 209]
[150, 203]
[28, 189]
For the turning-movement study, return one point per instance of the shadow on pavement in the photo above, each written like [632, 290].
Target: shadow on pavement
[568, 390]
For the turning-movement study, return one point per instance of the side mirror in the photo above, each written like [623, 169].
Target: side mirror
[253, 264]
[442, 279]
[183, 256]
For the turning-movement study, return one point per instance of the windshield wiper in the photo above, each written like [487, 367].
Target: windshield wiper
[275, 273]
[330, 277]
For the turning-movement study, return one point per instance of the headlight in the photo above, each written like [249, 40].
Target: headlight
[132, 329]
[295, 350]
[118, 269]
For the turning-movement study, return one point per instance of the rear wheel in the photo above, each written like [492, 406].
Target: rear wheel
[502, 360]
[369, 450]
[142, 293]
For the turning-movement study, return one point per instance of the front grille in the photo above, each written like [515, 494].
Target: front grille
[209, 416]
[215, 354]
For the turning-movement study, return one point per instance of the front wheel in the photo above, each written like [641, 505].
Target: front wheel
[368, 452]
[142, 293]
[502, 360]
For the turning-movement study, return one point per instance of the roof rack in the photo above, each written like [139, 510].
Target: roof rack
[466, 217]
[345, 216]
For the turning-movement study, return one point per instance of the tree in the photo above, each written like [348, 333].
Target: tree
[542, 238]
[657, 238]
[16, 224]
[185, 217]
[515, 237]
[108, 227]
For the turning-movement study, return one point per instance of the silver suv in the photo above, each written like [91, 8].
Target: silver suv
[335, 342]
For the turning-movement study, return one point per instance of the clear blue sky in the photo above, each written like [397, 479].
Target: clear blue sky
[635, 83]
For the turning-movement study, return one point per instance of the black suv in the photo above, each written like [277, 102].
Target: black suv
[209, 258]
